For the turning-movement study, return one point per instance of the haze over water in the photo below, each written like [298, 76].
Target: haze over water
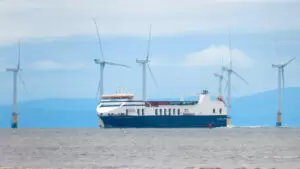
[151, 148]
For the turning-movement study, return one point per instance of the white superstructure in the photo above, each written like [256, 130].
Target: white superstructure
[125, 105]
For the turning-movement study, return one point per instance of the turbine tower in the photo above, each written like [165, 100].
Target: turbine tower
[102, 63]
[16, 74]
[280, 68]
[230, 71]
[145, 62]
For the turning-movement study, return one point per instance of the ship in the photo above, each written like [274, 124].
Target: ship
[121, 110]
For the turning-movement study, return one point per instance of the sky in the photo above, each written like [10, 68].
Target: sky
[189, 40]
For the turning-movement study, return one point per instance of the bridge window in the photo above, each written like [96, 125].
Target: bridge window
[156, 112]
[178, 112]
[126, 112]
[160, 111]
[143, 111]
[138, 111]
[174, 112]
[220, 110]
[214, 110]
[169, 112]
[165, 112]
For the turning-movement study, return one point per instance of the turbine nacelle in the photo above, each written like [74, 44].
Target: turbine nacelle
[235, 73]
[283, 65]
[142, 61]
[102, 62]
[218, 75]
[226, 69]
[99, 61]
[277, 66]
[13, 69]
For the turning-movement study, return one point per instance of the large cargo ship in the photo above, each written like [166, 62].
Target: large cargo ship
[121, 110]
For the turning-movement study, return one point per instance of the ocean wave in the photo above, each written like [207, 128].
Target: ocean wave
[258, 126]
[263, 127]
[282, 157]
[251, 127]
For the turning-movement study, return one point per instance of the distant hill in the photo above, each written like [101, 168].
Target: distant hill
[261, 108]
[258, 109]
[53, 113]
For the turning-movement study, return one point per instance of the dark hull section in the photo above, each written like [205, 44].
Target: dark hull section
[164, 121]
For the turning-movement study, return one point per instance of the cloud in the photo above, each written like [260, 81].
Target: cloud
[45, 19]
[212, 56]
[53, 65]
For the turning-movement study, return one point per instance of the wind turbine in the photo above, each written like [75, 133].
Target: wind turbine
[16, 74]
[230, 71]
[102, 63]
[145, 62]
[280, 68]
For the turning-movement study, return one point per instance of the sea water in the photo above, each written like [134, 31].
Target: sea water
[235, 147]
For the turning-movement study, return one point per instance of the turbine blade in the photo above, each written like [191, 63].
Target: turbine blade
[282, 74]
[153, 78]
[98, 89]
[224, 68]
[149, 43]
[233, 88]
[23, 83]
[216, 75]
[275, 66]
[116, 64]
[226, 86]
[235, 73]
[227, 83]
[224, 78]
[99, 39]
[230, 54]
[288, 62]
[19, 55]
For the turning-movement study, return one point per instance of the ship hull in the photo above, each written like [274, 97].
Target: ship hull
[197, 121]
